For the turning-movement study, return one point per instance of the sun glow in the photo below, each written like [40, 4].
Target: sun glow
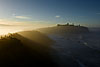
[12, 26]
[6, 30]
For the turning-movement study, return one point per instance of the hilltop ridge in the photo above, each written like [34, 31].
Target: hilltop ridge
[65, 29]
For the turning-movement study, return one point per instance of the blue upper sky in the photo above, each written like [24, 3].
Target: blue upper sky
[85, 12]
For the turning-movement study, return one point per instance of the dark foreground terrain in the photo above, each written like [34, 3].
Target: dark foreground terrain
[75, 46]
[54, 49]
[75, 50]
[17, 50]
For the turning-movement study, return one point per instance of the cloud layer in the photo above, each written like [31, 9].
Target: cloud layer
[57, 16]
[22, 17]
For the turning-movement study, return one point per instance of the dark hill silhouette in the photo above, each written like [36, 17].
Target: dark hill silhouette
[16, 49]
[64, 29]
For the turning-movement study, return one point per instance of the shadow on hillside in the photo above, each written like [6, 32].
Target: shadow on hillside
[18, 50]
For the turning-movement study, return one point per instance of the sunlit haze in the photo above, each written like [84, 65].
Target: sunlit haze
[16, 15]
[50, 33]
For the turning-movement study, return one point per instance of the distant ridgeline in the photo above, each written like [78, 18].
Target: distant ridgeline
[64, 29]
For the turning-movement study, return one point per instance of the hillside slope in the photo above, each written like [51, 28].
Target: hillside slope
[21, 51]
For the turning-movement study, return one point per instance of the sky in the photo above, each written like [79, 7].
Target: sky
[39, 13]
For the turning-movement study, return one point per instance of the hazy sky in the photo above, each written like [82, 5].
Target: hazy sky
[49, 12]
